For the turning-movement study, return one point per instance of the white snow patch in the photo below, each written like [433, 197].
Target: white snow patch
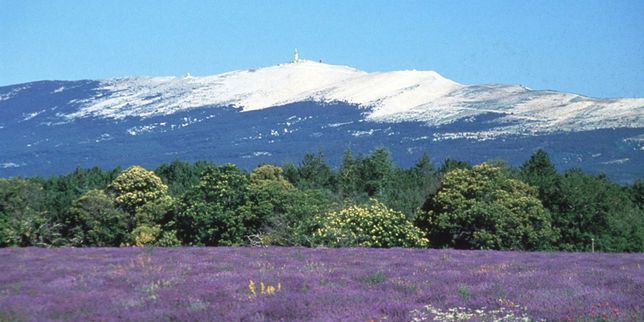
[58, 90]
[338, 124]
[420, 138]
[6, 165]
[257, 154]
[136, 130]
[29, 116]
[13, 92]
[475, 136]
[617, 161]
[364, 133]
[104, 137]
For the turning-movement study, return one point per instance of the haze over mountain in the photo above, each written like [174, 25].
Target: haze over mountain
[277, 113]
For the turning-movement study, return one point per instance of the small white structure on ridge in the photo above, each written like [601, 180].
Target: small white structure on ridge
[296, 57]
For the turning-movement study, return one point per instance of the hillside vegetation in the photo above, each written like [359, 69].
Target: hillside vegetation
[367, 201]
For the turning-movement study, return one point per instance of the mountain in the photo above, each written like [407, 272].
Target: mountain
[277, 113]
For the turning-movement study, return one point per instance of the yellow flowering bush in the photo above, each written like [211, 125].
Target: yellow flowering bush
[371, 225]
[135, 187]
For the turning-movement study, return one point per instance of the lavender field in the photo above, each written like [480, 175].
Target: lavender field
[299, 284]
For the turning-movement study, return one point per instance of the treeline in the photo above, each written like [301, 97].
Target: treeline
[367, 201]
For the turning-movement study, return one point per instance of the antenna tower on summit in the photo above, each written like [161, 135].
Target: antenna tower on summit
[296, 57]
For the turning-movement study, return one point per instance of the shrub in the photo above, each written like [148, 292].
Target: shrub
[145, 235]
[24, 220]
[94, 220]
[135, 187]
[168, 239]
[372, 225]
[484, 208]
[214, 212]
[267, 174]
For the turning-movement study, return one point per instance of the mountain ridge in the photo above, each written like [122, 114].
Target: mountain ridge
[276, 114]
[408, 95]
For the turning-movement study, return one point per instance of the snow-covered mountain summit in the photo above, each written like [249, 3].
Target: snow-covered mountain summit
[255, 89]
[396, 96]
[276, 114]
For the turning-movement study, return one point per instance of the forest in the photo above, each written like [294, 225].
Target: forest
[367, 201]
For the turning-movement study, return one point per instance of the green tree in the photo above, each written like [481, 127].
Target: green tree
[158, 211]
[24, 220]
[586, 208]
[348, 176]
[409, 188]
[61, 191]
[451, 164]
[365, 176]
[539, 172]
[483, 208]
[94, 220]
[294, 222]
[211, 213]
[591, 207]
[291, 174]
[315, 173]
[638, 193]
[180, 176]
[375, 171]
[285, 214]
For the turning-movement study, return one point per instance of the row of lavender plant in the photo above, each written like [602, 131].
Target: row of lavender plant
[302, 284]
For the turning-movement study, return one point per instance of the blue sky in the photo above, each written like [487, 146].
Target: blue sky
[594, 48]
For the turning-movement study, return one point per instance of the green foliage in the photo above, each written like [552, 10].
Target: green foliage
[152, 235]
[157, 211]
[464, 292]
[638, 193]
[287, 214]
[372, 225]
[227, 208]
[586, 207]
[482, 208]
[314, 173]
[451, 164]
[291, 173]
[168, 239]
[211, 213]
[408, 189]
[539, 172]
[486, 206]
[61, 191]
[180, 176]
[23, 217]
[135, 187]
[375, 278]
[348, 176]
[366, 176]
[145, 235]
[94, 220]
